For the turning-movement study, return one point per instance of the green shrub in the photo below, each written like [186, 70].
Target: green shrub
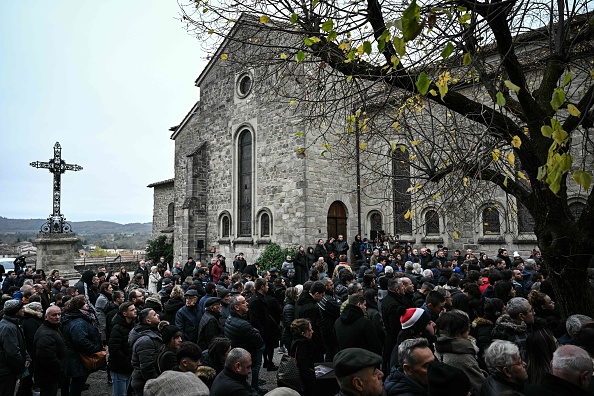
[160, 247]
[274, 256]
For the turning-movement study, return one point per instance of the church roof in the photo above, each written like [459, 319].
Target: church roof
[161, 183]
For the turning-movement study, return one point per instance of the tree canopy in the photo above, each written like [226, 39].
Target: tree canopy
[500, 93]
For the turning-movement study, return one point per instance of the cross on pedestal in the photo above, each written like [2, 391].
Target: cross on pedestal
[56, 223]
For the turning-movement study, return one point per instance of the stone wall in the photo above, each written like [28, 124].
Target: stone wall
[163, 195]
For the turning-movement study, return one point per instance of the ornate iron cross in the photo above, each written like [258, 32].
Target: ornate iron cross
[56, 223]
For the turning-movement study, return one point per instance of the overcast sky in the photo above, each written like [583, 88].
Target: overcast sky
[106, 79]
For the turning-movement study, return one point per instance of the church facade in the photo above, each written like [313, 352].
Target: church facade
[242, 182]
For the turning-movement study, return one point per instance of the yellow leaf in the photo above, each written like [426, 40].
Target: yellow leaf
[582, 178]
[436, 195]
[574, 111]
[395, 124]
[283, 56]
[511, 158]
[211, 31]
[495, 154]
[402, 148]
[408, 215]
[465, 182]
[264, 19]
[224, 57]
[592, 74]
[363, 145]
[393, 146]
[344, 46]
[456, 234]
[415, 142]
[432, 92]
[521, 175]
[512, 86]
[293, 102]
[516, 141]
[442, 83]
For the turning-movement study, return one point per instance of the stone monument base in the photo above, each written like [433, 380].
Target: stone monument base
[57, 251]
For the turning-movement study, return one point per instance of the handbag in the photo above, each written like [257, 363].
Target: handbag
[94, 361]
[288, 374]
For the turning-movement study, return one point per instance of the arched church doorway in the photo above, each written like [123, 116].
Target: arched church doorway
[337, 220]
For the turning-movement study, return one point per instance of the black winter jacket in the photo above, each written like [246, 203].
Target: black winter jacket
[145, 342]
[209, 328]
[354, 330]
[50, 354]
[306, 307]
[120, 352]
[242, 334]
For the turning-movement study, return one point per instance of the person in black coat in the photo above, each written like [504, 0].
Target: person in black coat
[81, 335]
[396, 297]
[304, 351]
[86, 287]
[31, 321]
[233, 379]
[120, 353]
[50, 353]
[307, 308]
[301, 267]
[353, 329]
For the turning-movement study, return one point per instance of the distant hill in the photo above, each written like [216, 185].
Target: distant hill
[79, 227]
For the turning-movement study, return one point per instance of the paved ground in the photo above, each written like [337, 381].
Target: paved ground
[99, 387]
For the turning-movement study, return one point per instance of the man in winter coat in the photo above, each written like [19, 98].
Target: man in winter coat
[145, 340]
[243, 335]
[233, 379]
[144, 271]
[353, 329]
[187, 319]
[411, 377]
[397, 297]
[513, 326]
[508, 371]
[50, 353]
[357, 372]
[120, 352]
[14, 358]
[259, 314]
[210, 326]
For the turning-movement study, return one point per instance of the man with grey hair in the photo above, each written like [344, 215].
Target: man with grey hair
[233, 379]
[243, 335]
[507, 369]
[397, 297]
[410, 378]
[513, 326]
[573, 325]
[571, 372]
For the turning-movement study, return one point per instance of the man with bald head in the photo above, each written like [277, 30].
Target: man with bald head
[50, 353]
[571, 372]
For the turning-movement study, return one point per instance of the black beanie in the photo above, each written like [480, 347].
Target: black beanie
[446, 380]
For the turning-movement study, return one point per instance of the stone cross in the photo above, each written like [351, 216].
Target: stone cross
[56, 223]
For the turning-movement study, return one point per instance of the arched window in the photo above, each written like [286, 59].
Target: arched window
[576, 209]
[431, 223]
[400, 195]
[491, 224]
[245, 183]
[265, 225]
[170, 214]
[337, 220]
[376, 223]
[225, 227]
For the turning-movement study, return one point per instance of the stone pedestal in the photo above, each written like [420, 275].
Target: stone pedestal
[57, 251]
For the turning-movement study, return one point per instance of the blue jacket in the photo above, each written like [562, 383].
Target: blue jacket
[187, 319]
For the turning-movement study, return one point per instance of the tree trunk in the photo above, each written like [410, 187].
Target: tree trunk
[566, 252]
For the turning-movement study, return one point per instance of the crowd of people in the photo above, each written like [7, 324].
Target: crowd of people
[388, 318]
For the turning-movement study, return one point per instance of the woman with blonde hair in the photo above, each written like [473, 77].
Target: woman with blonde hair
[175, 302]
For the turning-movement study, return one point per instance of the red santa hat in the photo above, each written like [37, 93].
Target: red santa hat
[411, 317]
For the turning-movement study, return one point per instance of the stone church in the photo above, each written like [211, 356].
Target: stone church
[240, 184]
